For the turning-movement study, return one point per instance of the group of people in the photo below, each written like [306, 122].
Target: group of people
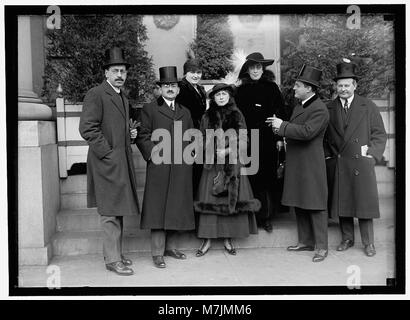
[330, 155]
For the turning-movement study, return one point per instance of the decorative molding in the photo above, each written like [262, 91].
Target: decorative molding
[166, 22]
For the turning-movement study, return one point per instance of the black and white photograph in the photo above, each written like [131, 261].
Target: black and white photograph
[208, 149]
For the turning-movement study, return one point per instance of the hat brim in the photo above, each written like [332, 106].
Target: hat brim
[126, 64]
[265, 63]
[309, 82]
[346, 77]
[159, 82]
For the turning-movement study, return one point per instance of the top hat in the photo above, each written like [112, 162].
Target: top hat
[167, 75]
[192, 65]
[114, 56]
[310, 75]
[345, 70]
[219, 87]
[255, 57]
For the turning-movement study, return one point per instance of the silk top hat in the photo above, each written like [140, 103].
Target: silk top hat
[255, 57]
[219, 87]
[345, 70]
[115, 56]
[167, 75]
[310, 75]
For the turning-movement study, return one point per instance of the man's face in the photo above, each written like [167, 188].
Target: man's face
[116, 75]
[302, 91]
[169, 90]
[193, 77]
[255, 71]
[345, 88]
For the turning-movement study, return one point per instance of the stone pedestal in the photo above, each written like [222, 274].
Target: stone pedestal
[38, 190]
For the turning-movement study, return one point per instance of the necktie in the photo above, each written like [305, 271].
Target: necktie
[346, 106]
[171, 105]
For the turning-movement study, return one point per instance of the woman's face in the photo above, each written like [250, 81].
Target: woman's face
[221, 98]
[193, 77]
[255, 71]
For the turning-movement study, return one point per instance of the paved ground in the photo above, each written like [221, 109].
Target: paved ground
[250, 267]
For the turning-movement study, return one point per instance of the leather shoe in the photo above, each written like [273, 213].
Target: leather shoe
[126, 262]
[119, 268]
[175, 254]
[320, 255]
[231, 250]
[370, 250]
[344, 245]
[159, 261]
[268, 227]
[205, 246]
[300, 247]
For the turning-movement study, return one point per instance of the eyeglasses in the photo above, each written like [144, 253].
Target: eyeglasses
[170, 85]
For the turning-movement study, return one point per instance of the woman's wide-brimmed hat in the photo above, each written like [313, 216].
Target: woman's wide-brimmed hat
[255, 57]
[168, 74]
[115, 56]
[219, 87]
[346, 70]
[310, 75]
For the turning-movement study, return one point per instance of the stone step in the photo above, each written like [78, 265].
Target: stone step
[79, 200]
[136, 240]
[88, 220]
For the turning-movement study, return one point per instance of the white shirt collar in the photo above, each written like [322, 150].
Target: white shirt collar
[115, 89]
[349, 101]
[304, 101]
[169, 101]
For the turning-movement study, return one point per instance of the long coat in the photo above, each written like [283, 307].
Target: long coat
[305, 183]
[104, 124]
[351, 176]
[258, 100]
[168, 199]
[194, 101]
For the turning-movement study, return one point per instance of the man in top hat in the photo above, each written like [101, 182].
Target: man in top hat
[193, 96]
[168, 199]
[111, 186]
[354, 141]
[305, 186]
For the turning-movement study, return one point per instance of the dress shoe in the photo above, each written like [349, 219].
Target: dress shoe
[126, 262]
[344, 245]
[175, 254]
[300, 247]
[119, 268]
[370, 250]
[320, 255]
[229, 247]
[268, 227]
[159, 261]
[203, 249]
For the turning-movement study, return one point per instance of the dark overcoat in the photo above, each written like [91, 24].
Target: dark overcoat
[305, 184]
[194, 101]
[104, 124]
[259, 100]
[351, 176]
[168, 198]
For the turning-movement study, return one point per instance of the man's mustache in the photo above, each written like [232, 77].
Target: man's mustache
[170, 91]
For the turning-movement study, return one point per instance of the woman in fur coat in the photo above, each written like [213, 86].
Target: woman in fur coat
[225, 199]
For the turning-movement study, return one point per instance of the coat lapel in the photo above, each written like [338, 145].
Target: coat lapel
[164, 109]
[114, 97]
[336, 120]
[297, 112]
[357, 111]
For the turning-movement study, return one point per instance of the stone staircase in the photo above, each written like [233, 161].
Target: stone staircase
[79, 232]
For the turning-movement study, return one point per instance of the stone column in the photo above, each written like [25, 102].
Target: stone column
[38, 182]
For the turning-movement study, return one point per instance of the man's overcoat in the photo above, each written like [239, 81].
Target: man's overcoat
[305, 183]
[351, 176]
[168, 198]
[104, 124]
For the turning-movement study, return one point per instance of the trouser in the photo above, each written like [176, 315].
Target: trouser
[161, 240]
[366, 229]
[268, 205]
[112, 240]
[312, 227]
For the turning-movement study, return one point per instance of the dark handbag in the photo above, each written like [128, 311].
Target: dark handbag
[220, 184]
[280, 169]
